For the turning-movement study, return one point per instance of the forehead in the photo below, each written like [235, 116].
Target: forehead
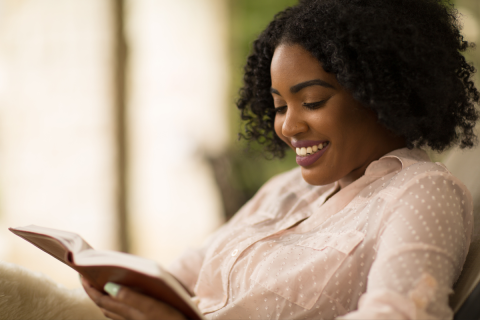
[292, 64]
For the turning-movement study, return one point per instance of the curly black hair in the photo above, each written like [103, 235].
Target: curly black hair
[401, 58]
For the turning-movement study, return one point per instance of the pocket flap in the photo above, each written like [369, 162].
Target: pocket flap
[299, 272]
[343, 242]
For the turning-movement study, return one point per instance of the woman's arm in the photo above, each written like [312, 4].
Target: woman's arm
[420, 254]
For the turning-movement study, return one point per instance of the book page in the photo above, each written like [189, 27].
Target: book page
[71, 241]
[91, 257]
[49, 245]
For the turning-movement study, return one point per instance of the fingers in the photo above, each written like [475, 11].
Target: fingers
[102, 301]
[127, 304]
[135, 299]
[118, 310]
[111, 315]
[93, 293]
[144, 307]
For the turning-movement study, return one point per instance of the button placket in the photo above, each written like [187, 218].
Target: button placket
[234, 258]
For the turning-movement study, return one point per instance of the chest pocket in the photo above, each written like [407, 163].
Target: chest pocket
[299, 272]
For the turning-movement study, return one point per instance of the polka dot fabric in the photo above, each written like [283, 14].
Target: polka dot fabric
[388, 246]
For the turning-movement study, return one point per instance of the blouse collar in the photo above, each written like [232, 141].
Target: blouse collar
[395, 161]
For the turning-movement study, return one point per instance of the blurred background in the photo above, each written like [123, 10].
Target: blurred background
[117, 121]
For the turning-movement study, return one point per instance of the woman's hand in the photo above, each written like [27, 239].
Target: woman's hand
[126, 304]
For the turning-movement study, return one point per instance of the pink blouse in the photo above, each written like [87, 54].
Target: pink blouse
[388, 246]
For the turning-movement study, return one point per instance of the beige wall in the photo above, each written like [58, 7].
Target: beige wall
[56, 154]
[177, 113]
[57, 143]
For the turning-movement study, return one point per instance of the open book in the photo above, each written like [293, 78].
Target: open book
[100, 267]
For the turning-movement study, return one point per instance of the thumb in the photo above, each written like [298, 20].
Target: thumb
[129, 297]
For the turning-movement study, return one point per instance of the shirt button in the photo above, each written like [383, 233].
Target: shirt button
[234, 252]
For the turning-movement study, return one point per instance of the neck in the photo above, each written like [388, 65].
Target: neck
[377, 153]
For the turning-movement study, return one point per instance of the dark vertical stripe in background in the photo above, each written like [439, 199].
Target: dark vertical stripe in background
[120, 125]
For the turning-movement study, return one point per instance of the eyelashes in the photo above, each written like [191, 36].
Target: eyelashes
[280, 110]
[314, 105]
[310, 106]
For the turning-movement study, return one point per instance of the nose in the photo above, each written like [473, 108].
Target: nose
[293, 124]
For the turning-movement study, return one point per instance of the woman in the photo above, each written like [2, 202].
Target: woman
[367, 227]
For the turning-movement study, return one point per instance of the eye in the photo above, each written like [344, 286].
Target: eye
[314, 105]
[280, 110]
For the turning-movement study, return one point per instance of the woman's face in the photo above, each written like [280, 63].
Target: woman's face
[314, 111]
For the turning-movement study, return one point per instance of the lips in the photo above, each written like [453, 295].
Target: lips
[308, 152]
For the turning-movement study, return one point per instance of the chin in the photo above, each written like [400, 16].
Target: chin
[316, 178]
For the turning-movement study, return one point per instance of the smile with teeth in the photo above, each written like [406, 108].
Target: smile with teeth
[311, 150]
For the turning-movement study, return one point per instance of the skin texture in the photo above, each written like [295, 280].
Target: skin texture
[130, 305]
[354, 134]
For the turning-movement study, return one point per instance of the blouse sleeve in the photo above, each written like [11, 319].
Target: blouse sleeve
[420, 252]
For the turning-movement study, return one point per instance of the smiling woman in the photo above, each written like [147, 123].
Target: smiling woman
[312, 108]
[367, 227]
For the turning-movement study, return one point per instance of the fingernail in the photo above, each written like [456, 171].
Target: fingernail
[112, 288]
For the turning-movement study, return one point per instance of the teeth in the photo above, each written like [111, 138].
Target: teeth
[310, 150]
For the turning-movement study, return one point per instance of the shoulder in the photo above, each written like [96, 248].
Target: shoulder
[425, 177]
[427, 191]
[404, 172]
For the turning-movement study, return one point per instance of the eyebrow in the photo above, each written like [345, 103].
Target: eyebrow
[296, 88]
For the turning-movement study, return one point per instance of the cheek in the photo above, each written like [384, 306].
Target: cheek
[360, 124]
[350, 123]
